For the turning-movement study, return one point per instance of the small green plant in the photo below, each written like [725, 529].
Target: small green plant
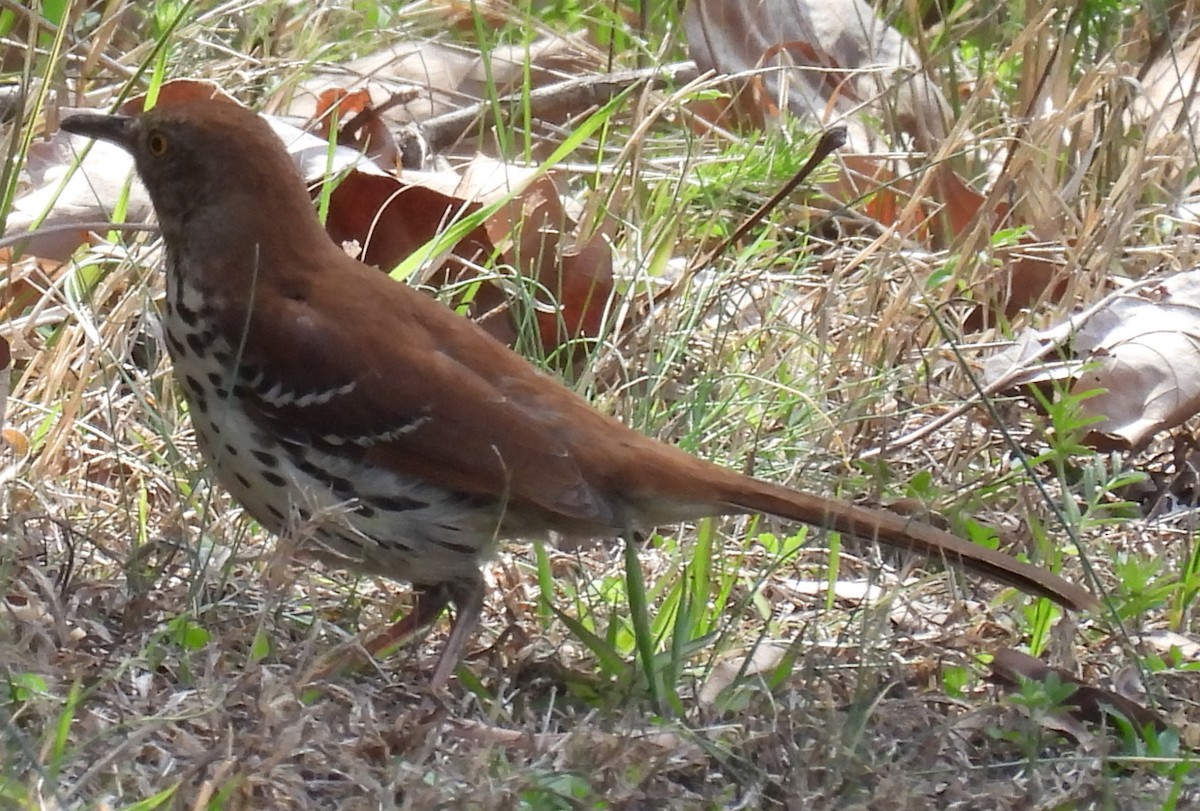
[558, 791]
[955, 680]
[1039, 699]
[1163, 750]
[181, 634]
[1143, 585]
[23, 687]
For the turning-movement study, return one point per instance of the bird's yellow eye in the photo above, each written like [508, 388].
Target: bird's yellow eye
[156, 144]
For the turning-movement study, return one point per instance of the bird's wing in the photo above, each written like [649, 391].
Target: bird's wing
[400, 381]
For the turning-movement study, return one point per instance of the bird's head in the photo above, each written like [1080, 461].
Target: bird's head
[209, 163]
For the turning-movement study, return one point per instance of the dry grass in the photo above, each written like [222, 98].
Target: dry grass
[151, 641]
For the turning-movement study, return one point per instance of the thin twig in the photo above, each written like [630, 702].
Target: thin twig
[23, 10]
[574, 94]
[830, 139]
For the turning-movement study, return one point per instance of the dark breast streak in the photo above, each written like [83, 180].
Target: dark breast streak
[355, 514]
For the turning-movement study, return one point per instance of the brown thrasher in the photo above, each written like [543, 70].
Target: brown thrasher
[318, 387]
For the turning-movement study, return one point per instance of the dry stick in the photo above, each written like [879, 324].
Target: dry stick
[830, 140]
[574, 94]
[126, 747]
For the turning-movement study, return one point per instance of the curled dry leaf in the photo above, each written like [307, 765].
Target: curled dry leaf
[1140, 352]
[575, 281]
[391, 216]
[359, 125]
[1022, 275]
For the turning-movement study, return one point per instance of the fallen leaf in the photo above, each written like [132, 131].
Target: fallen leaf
[1166, 642]
[1139, 354]
[834, 61]
[446, 75]
[1088, 703]
[359, 125]
[762, 659]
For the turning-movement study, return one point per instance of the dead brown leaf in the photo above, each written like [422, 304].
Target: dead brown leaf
[1088, 704]
[359, 125]
[1139, 353]
[762, 659]
[446, 76]
[834, 61]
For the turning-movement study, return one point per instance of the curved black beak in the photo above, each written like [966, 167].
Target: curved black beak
[115, 128]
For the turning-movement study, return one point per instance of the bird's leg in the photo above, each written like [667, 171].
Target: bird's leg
[430, 603]
[467, 598]
[468, 604]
